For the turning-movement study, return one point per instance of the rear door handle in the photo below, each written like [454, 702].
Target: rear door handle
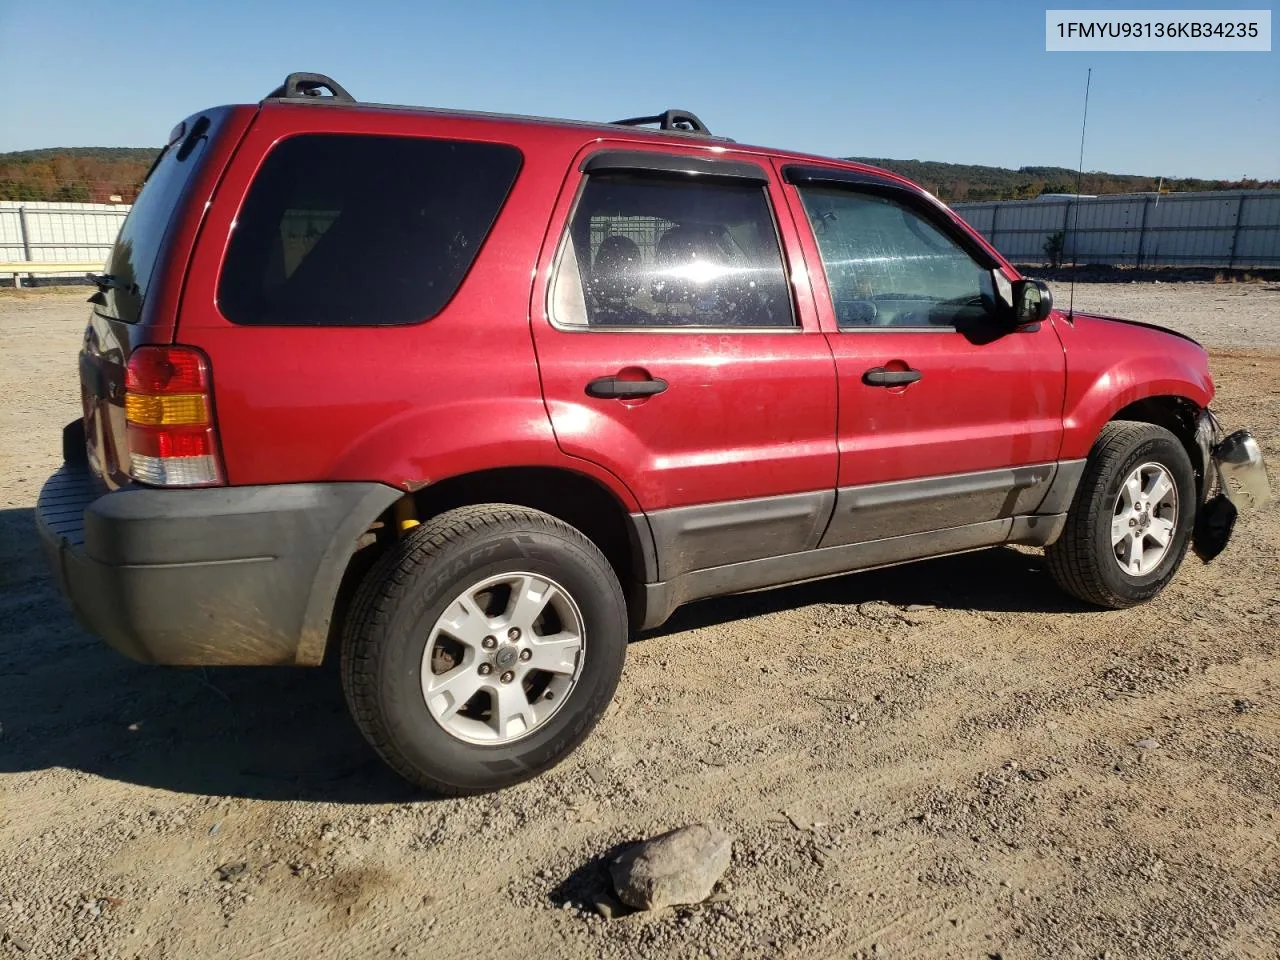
[880, 377]
[611, 388]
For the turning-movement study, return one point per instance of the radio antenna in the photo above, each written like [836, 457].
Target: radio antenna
[1075, 235]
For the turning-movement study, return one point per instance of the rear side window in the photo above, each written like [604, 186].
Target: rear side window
[342, 230]
[137, 248]
[653, 251]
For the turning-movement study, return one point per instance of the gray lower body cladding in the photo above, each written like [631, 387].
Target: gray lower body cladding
[709, 535]
[880, 510]
[249, 575]
[705, 551]
[224, 575]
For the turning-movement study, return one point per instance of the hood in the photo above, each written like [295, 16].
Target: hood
[1105, 318]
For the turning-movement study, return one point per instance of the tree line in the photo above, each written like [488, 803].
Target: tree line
[956, 182]
[81, 174]
[96, 174]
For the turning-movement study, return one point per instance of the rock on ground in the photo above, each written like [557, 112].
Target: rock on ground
[678, 867]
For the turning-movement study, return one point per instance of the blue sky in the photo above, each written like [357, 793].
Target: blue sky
[965, 81]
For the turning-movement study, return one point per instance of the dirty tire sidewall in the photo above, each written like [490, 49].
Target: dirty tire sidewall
[386, 689]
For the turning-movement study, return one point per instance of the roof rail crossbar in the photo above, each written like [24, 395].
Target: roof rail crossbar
[300, 86]
[680, 121]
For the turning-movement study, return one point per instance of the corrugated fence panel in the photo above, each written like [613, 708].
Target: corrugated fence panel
[10, 234]
[1231, 228]
[979, 217]
[59, 232]
[1259, 234]
[1197, 229]
[1107, 230]
[1025, 229]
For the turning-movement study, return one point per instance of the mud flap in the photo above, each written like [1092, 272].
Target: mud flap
[1214, 523]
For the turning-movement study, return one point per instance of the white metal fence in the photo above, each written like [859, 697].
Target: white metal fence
[1229, 228]
[38, 232]
[1233, 228]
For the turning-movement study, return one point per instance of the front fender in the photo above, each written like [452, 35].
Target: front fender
[1111, 365]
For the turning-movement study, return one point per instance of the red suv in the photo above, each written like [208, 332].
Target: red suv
[479, 396]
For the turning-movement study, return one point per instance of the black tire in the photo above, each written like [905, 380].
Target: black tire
[407, 591]
[1082, 560]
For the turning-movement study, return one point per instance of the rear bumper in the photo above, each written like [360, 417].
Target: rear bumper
[230, 575]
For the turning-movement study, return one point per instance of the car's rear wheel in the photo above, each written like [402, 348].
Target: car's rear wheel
[483, 648]
[1130, 523]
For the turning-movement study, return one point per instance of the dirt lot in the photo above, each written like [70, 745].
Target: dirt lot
[955, 781]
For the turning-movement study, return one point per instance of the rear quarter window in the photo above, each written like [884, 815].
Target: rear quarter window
[348, 230]
[137, 251]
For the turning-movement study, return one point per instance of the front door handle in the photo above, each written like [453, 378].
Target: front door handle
[880, 377]
[611, 388]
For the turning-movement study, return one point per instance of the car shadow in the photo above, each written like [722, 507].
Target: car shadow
[280, 733]
[67, 700]
[995, 580]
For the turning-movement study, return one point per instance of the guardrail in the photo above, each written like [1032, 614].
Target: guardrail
[21, 268]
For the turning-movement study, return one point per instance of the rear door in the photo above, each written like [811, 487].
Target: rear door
[948, 417]
[676, 352]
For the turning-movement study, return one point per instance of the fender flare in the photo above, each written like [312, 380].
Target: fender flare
[313, 636]
[1098, 406]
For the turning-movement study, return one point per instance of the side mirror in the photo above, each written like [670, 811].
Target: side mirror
[1032, 301]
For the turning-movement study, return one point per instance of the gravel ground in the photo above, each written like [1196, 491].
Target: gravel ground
[947, 759]
[1217, 314]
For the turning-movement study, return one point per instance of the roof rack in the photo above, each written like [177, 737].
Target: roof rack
[308, 86]
[311, 87]
[673, 121]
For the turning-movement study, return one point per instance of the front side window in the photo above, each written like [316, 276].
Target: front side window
[356, 230]
[887, 266]
[646, 251]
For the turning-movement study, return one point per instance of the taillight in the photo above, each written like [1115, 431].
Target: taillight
[168, 404]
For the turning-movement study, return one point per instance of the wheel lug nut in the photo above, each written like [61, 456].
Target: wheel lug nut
[486, 669]
[526, 654]
[513, 633]
[489, 642]
[507, 677]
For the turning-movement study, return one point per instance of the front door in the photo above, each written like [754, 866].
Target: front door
[675, 353]
[948, 418]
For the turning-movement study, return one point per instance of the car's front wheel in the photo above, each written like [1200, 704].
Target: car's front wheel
[1130, 523]
[484, 647]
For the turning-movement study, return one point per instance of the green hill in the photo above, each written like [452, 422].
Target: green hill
[953, 182]
[74, 173]
[98, 173]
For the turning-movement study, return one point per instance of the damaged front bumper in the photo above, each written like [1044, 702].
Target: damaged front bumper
[1242, 475]
[1234, 467]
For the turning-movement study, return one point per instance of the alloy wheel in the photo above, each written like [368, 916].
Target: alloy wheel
[1144, 518]
[502, 658]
